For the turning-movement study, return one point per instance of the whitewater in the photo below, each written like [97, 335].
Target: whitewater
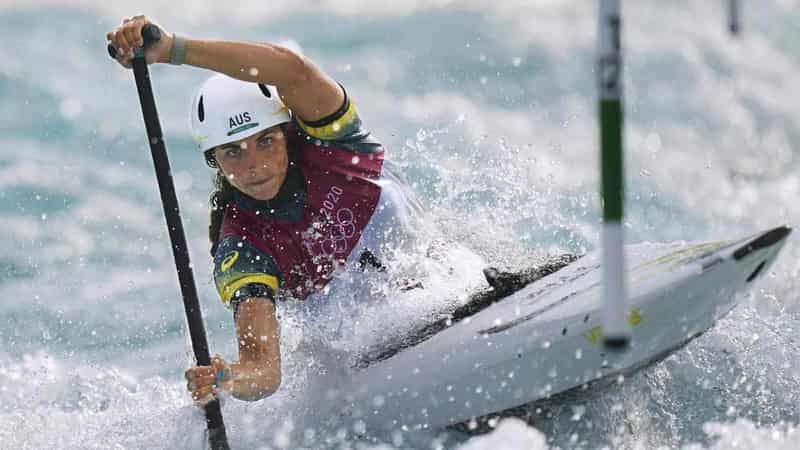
[489, 111]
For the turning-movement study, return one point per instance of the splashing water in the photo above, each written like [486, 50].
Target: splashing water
[489, 111]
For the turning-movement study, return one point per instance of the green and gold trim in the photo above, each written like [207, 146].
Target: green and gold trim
[227, 290]
[242, 128]
[342, 125]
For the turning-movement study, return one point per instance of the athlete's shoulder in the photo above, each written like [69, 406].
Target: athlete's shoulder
[238, 262]
[343, 129]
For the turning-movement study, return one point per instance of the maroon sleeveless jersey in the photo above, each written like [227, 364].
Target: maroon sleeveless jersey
[295, 241]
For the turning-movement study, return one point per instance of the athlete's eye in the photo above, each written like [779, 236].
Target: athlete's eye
[265, 142]
[233, 152]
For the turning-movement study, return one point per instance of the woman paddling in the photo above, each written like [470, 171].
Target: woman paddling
[305, 204]
[302, 192]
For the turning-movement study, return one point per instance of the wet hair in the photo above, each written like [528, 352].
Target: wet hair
[219, 200]
[224, 192]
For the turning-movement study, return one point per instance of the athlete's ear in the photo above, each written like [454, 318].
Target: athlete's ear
[211, 158]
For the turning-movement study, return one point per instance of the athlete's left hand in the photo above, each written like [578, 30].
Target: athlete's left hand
[128, 35]
[205, 382]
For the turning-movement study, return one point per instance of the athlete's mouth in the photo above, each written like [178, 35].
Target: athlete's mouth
[258, 183]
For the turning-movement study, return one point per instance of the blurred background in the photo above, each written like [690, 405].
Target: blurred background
[489, 109]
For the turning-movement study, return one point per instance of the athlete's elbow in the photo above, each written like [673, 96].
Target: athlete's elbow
[258, 392]
[300, 73]
[295, 69]
[261, 386]
[270, 386]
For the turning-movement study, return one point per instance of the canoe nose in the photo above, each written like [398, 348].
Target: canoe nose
[766, 240]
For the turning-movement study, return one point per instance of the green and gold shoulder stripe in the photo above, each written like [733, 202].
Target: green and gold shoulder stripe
[343, 123]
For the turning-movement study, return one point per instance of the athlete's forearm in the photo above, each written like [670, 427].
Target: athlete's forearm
[258, 372]
[253, 382]
[248, 61]
[304, 88]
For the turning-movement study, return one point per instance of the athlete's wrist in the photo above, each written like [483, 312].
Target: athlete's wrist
[169, 43]
[177, 53]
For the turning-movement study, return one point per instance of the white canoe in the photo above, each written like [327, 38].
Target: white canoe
[547, 338]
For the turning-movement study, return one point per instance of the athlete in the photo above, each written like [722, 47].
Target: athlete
[303, 195]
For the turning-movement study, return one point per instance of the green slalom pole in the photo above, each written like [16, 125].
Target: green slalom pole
[733, 17]
[609, 77]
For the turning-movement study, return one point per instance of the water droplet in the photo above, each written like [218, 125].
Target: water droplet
[282, 440]
[577, 412]
[71, 108]
[653, 142]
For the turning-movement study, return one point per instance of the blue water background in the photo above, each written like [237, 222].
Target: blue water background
[489, 108]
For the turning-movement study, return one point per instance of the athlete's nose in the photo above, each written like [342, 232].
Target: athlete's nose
[250, 158]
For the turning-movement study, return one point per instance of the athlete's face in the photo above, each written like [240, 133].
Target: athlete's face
[256, 165]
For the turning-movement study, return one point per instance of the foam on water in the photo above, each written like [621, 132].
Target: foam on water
[489, 109]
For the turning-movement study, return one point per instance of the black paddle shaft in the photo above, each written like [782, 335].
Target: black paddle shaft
[216, 427]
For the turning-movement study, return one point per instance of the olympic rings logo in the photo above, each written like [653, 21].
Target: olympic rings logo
[340, 230]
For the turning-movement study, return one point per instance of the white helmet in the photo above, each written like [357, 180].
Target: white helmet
[227, 110]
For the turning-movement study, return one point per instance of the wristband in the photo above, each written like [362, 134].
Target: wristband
[178, 53]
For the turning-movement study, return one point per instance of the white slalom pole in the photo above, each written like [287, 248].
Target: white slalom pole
[734, 24]
[609, 79]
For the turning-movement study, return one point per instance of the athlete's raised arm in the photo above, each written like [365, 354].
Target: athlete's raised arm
[304, 88]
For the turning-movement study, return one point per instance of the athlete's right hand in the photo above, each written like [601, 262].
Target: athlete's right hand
[206, 382]
[128, 36]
